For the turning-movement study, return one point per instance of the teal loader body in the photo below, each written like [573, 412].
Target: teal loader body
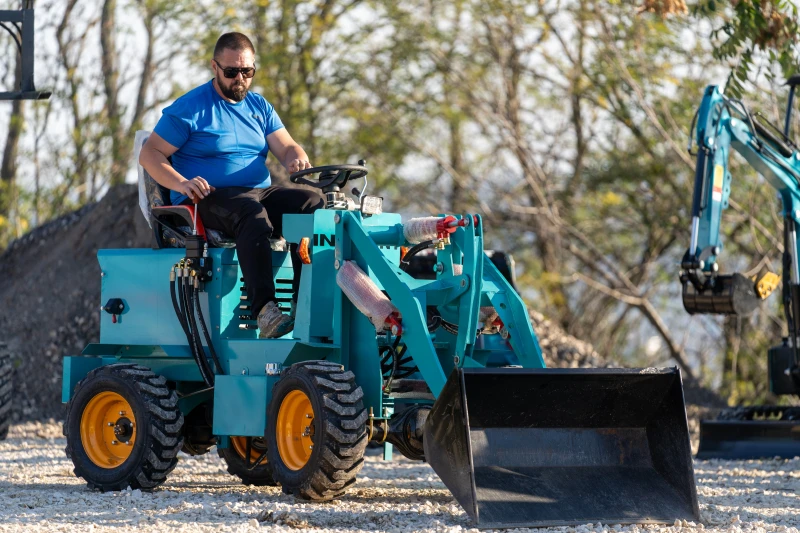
[299, 411]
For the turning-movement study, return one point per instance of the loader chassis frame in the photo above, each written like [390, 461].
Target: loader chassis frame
[336, 359]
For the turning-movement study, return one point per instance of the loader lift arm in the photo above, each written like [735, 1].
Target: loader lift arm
[723, 124]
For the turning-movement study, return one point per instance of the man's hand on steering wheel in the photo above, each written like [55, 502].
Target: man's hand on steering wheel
[296, 165]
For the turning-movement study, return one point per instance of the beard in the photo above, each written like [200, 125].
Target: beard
[237, 91]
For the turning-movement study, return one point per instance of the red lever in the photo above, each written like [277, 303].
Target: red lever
[394, 320]
[114, 319]
[449, 224]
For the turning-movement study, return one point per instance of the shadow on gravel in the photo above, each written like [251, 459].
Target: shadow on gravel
[383, 520]
[411, 497]
[13, 486]
[396, 483]
[204, 485]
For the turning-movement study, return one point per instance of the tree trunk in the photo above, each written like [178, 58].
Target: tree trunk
[110, 66]
[8, 171]
[458, 202]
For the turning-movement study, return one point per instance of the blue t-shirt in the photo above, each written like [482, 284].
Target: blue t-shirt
[224, 143]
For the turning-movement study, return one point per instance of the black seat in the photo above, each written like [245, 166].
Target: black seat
[170, 223]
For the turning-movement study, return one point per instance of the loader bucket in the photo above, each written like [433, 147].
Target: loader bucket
[550, 447]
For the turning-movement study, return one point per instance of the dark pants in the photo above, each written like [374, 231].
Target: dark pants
[252, 217]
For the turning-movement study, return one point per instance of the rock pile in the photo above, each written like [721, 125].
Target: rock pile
[562, 350]
[50, 293]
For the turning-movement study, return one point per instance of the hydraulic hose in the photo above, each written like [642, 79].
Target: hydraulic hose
[437, 320]
[175, 306]
[206, 335]
[178, 296]
[191, 293]
[405, 262]
[182, 306]
[182, 294]
[190, 335]
[184, 289]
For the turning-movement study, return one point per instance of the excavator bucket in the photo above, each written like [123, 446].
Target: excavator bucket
[550, 447]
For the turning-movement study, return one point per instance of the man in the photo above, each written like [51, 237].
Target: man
[218, 136]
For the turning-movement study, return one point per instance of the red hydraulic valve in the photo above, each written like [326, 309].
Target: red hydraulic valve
[394, 321]
[448, 224]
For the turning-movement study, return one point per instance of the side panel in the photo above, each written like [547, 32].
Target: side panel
[179, 369]
[140, 277]
[315, 300]
[235, 309]
[240, 404]
[75, 369]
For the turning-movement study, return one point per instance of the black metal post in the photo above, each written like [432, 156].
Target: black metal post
[27, 89]
[788, 124]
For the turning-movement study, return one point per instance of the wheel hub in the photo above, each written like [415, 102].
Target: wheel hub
[295, 430]
[123, 429]
[108, 429]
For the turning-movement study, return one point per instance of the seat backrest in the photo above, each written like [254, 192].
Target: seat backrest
[151, 193]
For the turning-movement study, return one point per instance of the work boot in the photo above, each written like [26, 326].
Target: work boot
[272, 323]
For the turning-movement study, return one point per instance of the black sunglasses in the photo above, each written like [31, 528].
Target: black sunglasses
[232, 72]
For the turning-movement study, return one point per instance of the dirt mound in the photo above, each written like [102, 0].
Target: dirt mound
[50, 300]
[50, 293]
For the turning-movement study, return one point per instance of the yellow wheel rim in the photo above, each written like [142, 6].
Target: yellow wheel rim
[108, 429]
[295, 430]
[257, 448]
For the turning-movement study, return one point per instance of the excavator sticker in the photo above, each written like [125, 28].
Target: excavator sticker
[716, 191]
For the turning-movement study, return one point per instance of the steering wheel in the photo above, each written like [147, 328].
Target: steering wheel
[330, 175]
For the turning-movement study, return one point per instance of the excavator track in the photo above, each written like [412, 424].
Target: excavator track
[751, 433]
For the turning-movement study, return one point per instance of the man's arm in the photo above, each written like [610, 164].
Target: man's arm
[289, 153]
[153, 158]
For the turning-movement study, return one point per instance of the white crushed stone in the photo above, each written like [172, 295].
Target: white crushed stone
[39, 492]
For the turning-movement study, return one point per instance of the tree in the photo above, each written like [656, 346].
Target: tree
[123, 121]
[8, 168]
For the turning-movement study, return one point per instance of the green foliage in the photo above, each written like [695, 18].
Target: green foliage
[746, 28]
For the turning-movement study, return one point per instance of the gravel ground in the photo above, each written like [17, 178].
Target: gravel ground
[38, 492]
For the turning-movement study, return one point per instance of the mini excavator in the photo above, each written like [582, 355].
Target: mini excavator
[723, 123]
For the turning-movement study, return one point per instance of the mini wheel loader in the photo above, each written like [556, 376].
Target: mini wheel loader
[445, 370]
[722, 124]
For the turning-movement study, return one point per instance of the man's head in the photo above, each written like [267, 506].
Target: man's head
[233, 51]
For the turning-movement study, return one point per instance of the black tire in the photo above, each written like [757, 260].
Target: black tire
[157, 439]
[339, 432]
[260, 476]
[6, 389]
